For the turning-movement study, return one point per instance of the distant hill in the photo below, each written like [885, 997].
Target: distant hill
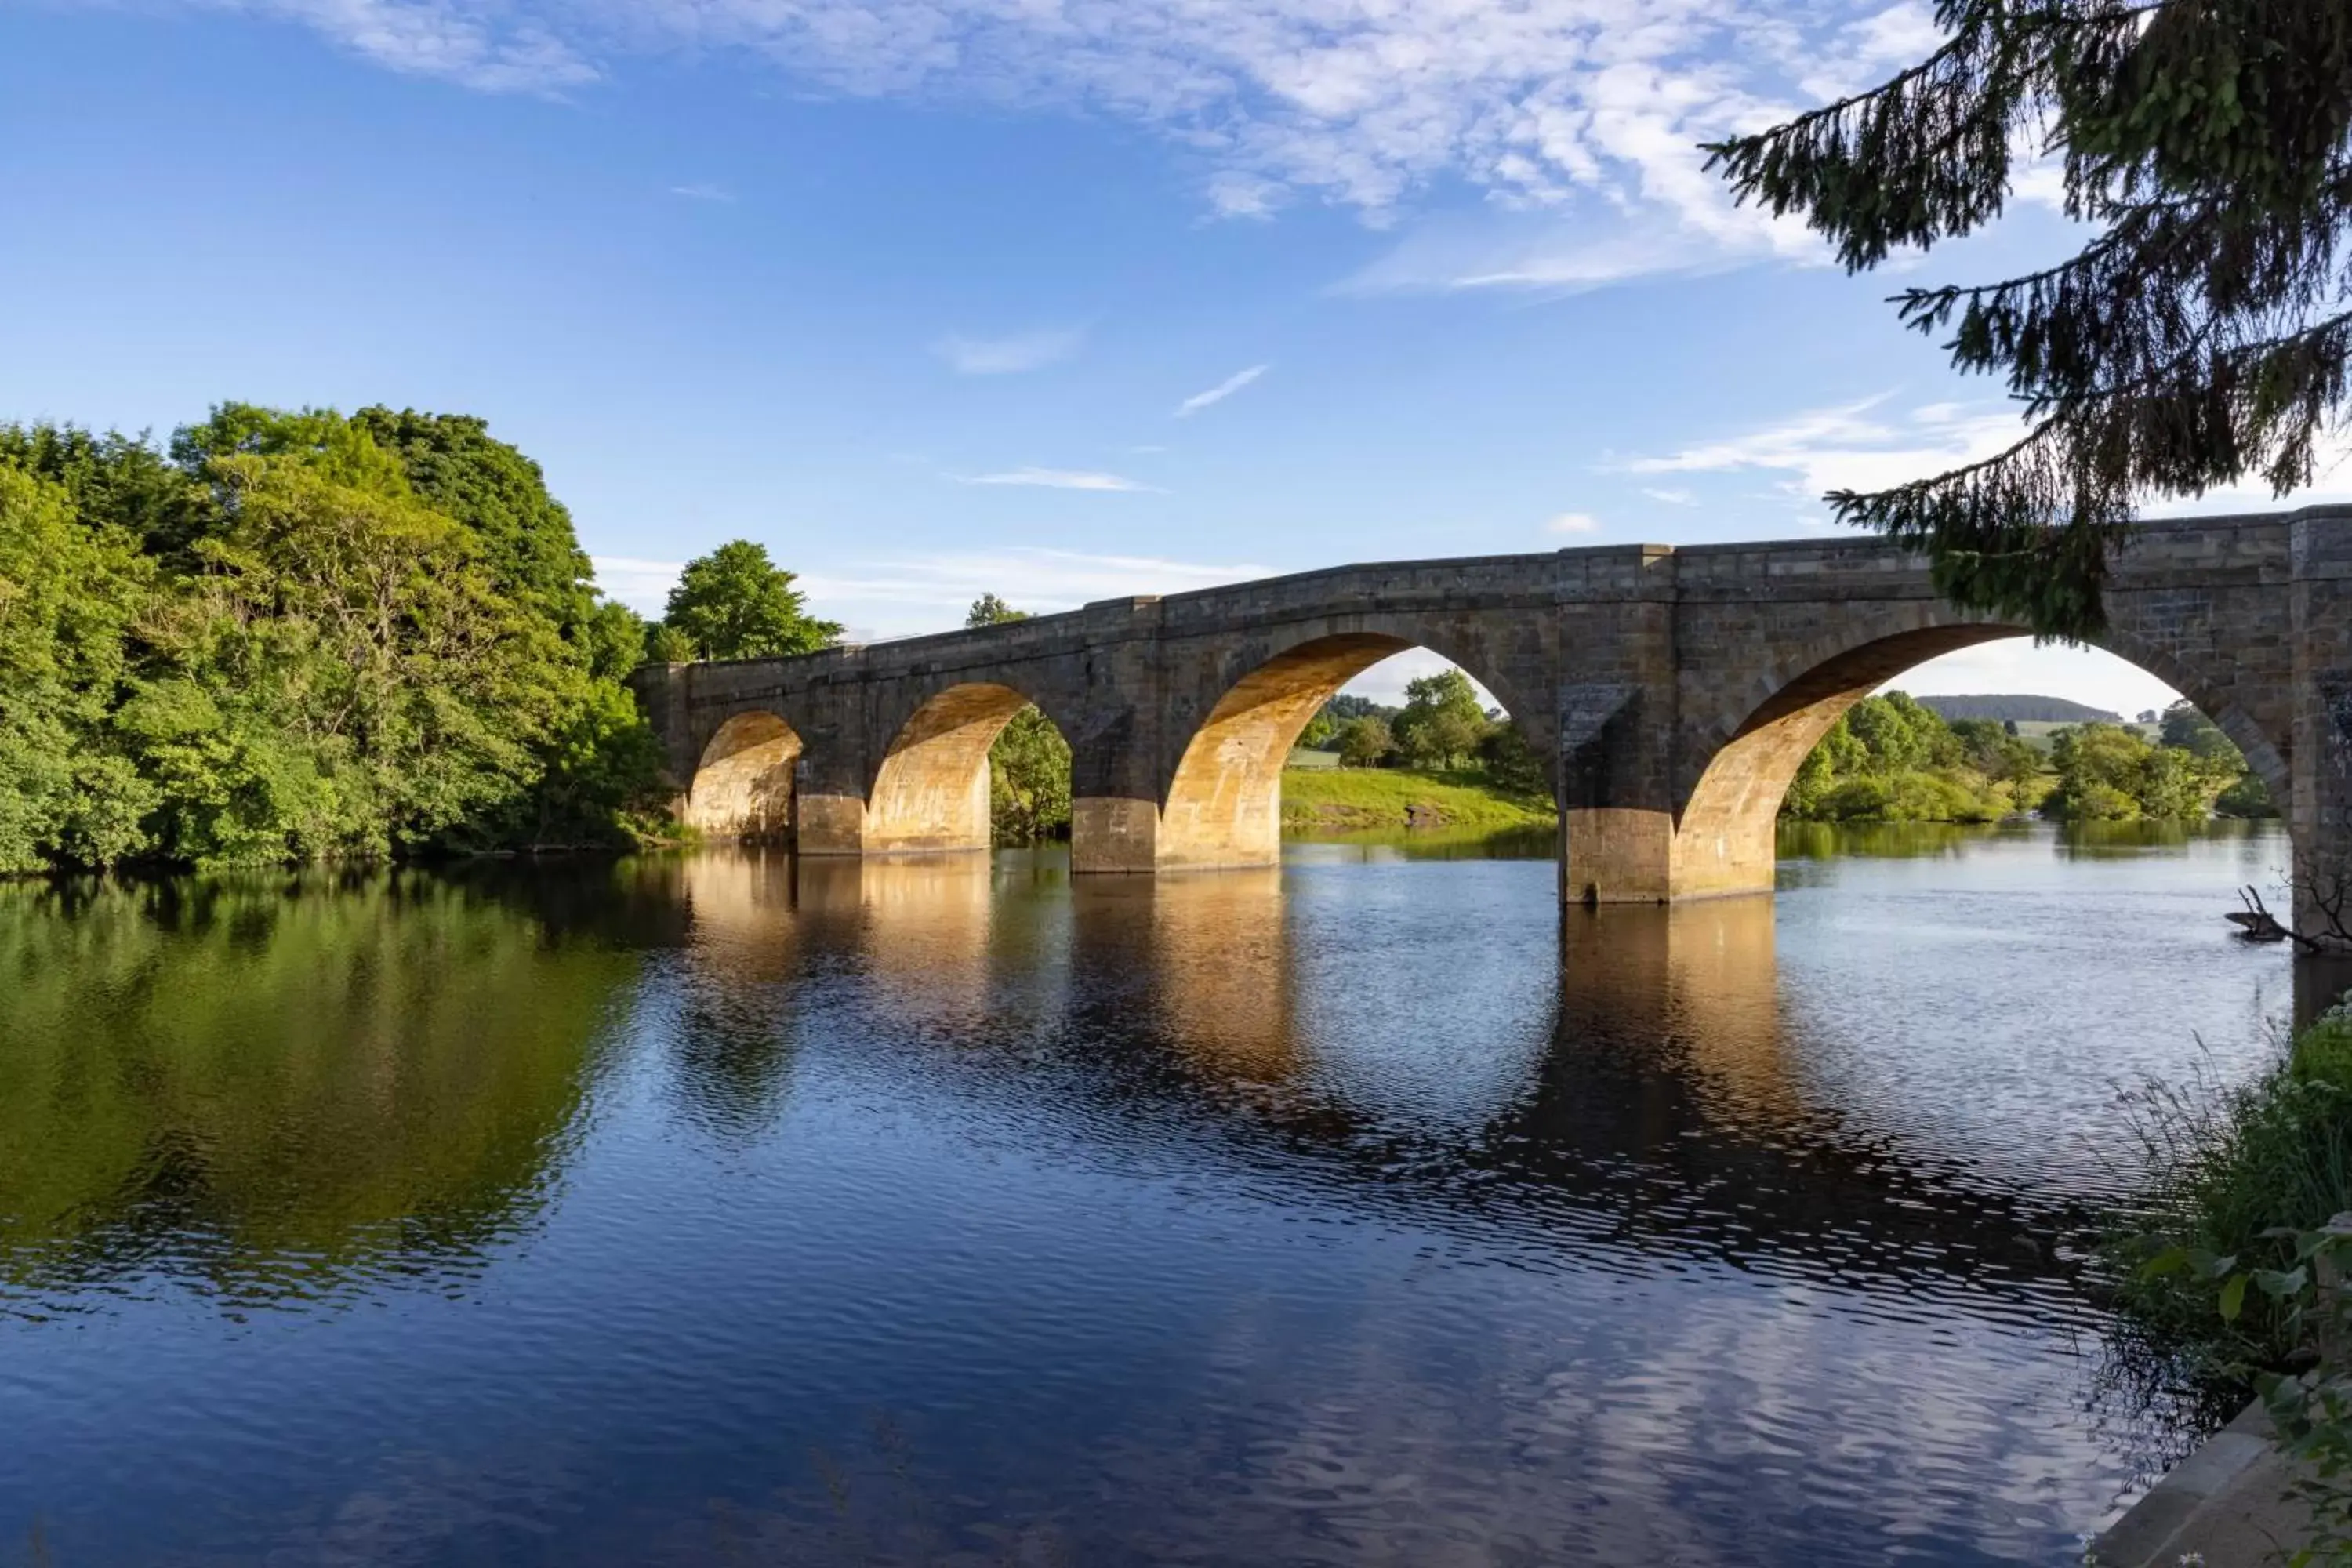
[2025, 710]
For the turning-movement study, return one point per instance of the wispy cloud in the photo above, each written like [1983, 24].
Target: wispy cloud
[1008, 355]
[1868, 444]
[928, 592]
[482, 44]
[1573, 522]
[1671, 498]
[1219, 392]
[918, 592]
[643, 585]
[1055, 480]
[1589, 110]
[1852, 445]
[703, 192]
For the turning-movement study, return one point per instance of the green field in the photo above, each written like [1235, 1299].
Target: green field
[1342, 800]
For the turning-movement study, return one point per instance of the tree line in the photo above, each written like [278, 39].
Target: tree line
[289, 635]
[1892, 759]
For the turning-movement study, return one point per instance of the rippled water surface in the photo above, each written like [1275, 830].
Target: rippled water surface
[726, 1210]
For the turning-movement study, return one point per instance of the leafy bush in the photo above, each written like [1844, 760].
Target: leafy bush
[1029, 780]
[2229, 1176]
[2248, 798]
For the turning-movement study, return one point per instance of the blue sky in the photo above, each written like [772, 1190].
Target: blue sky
[1057, 298]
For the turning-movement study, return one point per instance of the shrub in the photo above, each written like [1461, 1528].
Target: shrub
[2228, 1173]
[2246, 798]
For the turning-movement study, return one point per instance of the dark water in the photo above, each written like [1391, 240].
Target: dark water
[716, 1210]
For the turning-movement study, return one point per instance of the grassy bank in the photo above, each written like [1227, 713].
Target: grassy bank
[2224, 1270]
[1340, 800]
[2228, 1173]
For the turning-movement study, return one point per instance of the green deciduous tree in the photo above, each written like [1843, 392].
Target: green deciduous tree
[2186, 728]
[1028, 763]
[1892, 759]
[343, 679]
[524, 534]
[666, 645]
[1442, 722]
[988, 610]
[1029, 780]
[2197, 338]
[1511, 764]
[68, 596]
[2107, 772]
[1365, 741]
[318, 646]
[117, 481]
[735, 603]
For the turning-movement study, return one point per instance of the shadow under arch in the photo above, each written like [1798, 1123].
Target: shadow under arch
[1724, 832]
[931, 790]
[1222, 804]
[742, 787]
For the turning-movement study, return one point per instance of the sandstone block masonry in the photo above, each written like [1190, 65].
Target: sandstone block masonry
[1674, 691]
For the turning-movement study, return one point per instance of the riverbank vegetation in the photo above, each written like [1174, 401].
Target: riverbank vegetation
[2228, 1268]
[2228, 1175]
[305, 635]
[1892, 759]
[1441, 760]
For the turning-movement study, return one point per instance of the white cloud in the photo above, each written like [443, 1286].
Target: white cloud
[2331, 482]
[1573, 522]
[1219, 392]
[482, 44]
[703, 192]
[903, 595]
[1865, 446]
[1008, 355]
[1056, 479]
[643, 585]
[2014, 666]
[1589, 110]
[1672, 497]
[1385, 681]
[908, 594]
[1851, 445]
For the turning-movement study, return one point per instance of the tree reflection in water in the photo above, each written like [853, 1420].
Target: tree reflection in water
[273, 1088]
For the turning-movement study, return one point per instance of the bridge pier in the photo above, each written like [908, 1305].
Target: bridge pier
[830, 824]
[2320, 809]
[1112, 834]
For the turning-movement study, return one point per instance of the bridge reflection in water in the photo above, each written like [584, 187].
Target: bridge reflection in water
[1644, 1091]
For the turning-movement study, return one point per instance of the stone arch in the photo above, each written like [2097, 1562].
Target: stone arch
[1221, 804]
[1725, 831]
[742, 785]
[930, 790]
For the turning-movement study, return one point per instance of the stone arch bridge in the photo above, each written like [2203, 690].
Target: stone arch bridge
[1674, 689]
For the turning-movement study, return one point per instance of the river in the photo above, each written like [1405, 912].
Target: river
[713, 1209]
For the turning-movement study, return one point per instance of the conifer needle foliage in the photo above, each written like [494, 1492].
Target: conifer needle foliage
[2197, 339]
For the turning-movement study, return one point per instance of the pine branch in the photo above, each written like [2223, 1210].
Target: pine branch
[2030, 532]
[2138, 298]
[1926, 155]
